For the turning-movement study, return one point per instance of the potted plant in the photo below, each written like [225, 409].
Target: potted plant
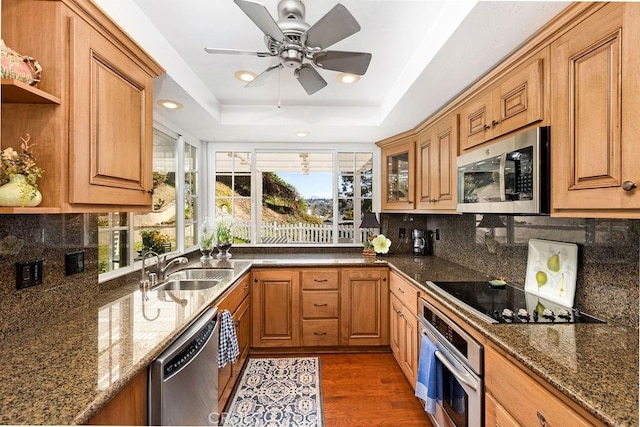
[18, 176]
[224, 234]
[206, 237]
[153, 240]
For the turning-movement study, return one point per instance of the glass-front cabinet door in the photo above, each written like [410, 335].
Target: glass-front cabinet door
[398, 174]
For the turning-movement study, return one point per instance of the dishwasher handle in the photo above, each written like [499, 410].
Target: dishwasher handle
[183, 351]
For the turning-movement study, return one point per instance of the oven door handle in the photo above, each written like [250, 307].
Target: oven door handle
[460, 377]
[501, 173]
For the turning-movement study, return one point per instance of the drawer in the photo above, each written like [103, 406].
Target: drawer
[504, 380]
[238, 293]
[320, 278]
[319, 304]
[405, 291]
[320, 332]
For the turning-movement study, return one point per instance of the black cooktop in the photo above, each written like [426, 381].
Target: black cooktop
[509, 304]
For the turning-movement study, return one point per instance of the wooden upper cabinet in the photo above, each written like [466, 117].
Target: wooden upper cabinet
[595, 129]
[95, 145]
[512, 102]
[437, 149]
[398, 174]
[111, 137]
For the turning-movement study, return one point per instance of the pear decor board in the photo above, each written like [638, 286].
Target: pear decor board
[552, 269]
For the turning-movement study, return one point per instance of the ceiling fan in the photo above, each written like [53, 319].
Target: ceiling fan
[292, 40]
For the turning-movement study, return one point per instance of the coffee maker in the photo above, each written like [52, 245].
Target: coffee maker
[422, 242]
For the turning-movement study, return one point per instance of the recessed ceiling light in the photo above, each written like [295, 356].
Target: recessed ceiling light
[347, 78]
[169, 104]
[302, 134]
[245, 76]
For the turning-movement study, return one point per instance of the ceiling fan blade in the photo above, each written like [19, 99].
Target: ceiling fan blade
[336, 25]
[236, 52]
[309, 78]
[264, 76]
[261, 17]
[347, 62]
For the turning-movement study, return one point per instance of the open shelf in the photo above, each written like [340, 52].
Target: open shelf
[17, 92]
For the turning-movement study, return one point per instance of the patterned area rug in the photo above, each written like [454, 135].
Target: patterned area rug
[278, 392]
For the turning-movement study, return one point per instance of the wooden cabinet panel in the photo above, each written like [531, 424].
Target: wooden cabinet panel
[364, 306]
[276, 308]
[319, 332]
[128, 407]
[231, 301]
[404, 326]
[437, 149]
[595, 129]
[503, 380]
[110, 143]
[409, 349]
[395, 326]
[512, 102]
[321, 278]
[398, 175]
[319, 304]
[496, 415]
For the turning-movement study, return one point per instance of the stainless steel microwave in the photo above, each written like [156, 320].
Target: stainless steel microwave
[510, 176]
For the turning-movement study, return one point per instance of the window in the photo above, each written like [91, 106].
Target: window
[302, 198]
[170, 226]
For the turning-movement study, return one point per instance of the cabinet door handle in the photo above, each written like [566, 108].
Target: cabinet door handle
[495, 123]
[543, 422]
[255, 280]
[319, 333]
[486, 127]
[400, 290]
[238, 322]
[246, 287]
[320, 280]
[151, 191]
[384, 279]
[320, 305]
[628, 185]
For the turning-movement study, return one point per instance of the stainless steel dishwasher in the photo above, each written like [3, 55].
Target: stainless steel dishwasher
[183, 380]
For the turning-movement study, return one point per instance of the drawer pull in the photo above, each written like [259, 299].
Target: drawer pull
[319, 333]
[246, 287]
[401, 291]
[543, 422]
[320, 280]
[320, 305]
[238, 322]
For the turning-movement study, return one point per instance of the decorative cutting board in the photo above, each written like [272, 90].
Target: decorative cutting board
[552, 269]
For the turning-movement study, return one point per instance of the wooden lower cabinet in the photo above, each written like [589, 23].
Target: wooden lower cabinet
[128, 407]
[404, 339]
[237, 302]
[534, 405]
[275, 304]
[364, 306]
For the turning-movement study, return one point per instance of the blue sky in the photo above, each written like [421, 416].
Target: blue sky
[316, 184]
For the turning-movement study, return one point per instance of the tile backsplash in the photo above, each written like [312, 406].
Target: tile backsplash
[47, 237]
[608, 254]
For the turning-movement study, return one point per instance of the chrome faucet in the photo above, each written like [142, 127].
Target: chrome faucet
[163, 267]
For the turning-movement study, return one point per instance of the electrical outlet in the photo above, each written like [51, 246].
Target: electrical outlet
[28, 273]
[74, 262]
[402, 233]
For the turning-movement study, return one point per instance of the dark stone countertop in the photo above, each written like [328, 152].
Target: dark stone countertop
[64, 372]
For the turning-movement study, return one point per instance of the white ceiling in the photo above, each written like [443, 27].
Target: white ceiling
[424, 53]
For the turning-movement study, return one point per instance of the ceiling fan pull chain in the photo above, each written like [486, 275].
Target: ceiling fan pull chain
[279, 98]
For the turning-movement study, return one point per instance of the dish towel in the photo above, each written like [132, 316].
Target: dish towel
[429, 383]
[228, 344]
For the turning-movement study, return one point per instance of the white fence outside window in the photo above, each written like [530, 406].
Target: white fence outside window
[274, 232]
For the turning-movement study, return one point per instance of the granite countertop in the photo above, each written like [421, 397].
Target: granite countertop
[65, 372]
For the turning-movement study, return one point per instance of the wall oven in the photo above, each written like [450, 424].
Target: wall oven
[462, 359]
[508, 176]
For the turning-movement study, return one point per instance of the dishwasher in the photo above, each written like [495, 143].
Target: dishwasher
[183, 380]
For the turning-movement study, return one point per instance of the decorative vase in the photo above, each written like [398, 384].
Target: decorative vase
[223, 250]
[206, 238]
[18, 192]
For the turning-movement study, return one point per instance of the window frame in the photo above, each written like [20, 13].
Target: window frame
[254, 149]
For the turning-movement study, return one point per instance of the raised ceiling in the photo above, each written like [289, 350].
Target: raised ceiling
[424, 53]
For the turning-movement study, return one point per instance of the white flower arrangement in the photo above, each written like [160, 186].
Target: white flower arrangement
[379, 244]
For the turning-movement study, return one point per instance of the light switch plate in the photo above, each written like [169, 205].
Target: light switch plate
[28, 273]
[73, 262]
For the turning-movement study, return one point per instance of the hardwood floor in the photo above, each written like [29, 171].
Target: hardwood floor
[368, 390]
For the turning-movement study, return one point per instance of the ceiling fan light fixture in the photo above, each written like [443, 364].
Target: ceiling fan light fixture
[347, 78]
[302, 134]
[170, 104]
[245, 76]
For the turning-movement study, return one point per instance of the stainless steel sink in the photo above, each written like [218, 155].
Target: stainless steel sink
[202, 274]
[186, 285]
